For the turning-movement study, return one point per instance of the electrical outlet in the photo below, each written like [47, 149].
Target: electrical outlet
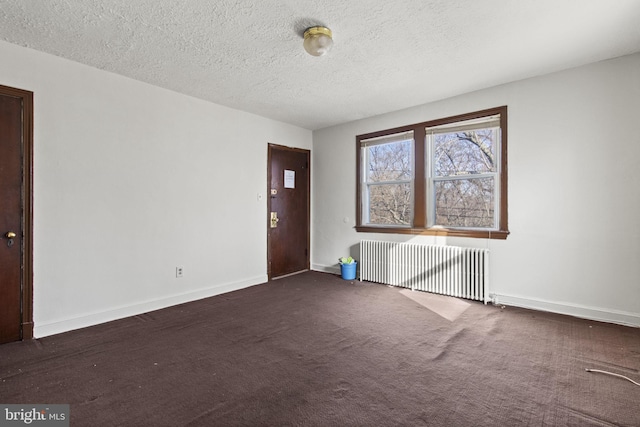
[179, 271]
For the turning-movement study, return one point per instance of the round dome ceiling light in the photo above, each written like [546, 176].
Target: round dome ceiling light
[317, 40]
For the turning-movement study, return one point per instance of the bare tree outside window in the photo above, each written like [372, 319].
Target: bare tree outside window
[467, 197]
[389, 176]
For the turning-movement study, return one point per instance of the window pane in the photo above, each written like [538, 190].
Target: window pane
[390, 204]
[390, 162]
[465, 203]
[464, 153]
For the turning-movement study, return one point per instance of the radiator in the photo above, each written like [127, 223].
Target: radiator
[447, 270]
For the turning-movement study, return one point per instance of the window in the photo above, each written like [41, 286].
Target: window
[445, 177]
[463, 173]
[388, 180]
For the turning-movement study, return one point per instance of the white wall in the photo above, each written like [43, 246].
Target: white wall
[131, 181]
[574, 190]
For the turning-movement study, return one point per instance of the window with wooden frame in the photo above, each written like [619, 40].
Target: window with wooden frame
[441, 177]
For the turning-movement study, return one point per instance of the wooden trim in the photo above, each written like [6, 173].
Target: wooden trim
[437, 122]
[385, 132]
[27, 208]
[271, 147]
[504, 175]
[358, 183]
[483, 234]
[420, 179]
[268, 196]
[420, 219]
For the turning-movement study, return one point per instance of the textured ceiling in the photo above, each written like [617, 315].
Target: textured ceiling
[388, 55]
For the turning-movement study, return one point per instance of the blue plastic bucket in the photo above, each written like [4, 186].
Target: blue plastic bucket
[348, 271]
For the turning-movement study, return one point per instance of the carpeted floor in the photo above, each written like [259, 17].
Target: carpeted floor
[315, 350]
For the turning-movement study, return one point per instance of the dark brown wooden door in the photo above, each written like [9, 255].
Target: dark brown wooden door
[10, 217]
[288, 206]
[16, 111]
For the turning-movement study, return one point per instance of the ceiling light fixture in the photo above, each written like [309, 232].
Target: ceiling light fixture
[317, 40]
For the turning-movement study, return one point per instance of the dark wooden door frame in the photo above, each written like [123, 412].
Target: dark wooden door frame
[308, 184]
[26, 278]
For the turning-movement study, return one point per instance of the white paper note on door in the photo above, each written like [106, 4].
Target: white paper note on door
[289, 179]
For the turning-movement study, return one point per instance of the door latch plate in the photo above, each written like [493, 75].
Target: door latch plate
[274, 219]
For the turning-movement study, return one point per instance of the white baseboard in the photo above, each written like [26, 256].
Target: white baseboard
[591, 313]
[55, 327]
[326, 268]
[43, 329]
[584, 312]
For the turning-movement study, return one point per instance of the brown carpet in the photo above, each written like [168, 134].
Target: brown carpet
[315, 350]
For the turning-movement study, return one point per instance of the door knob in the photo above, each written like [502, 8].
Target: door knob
[10, 235]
